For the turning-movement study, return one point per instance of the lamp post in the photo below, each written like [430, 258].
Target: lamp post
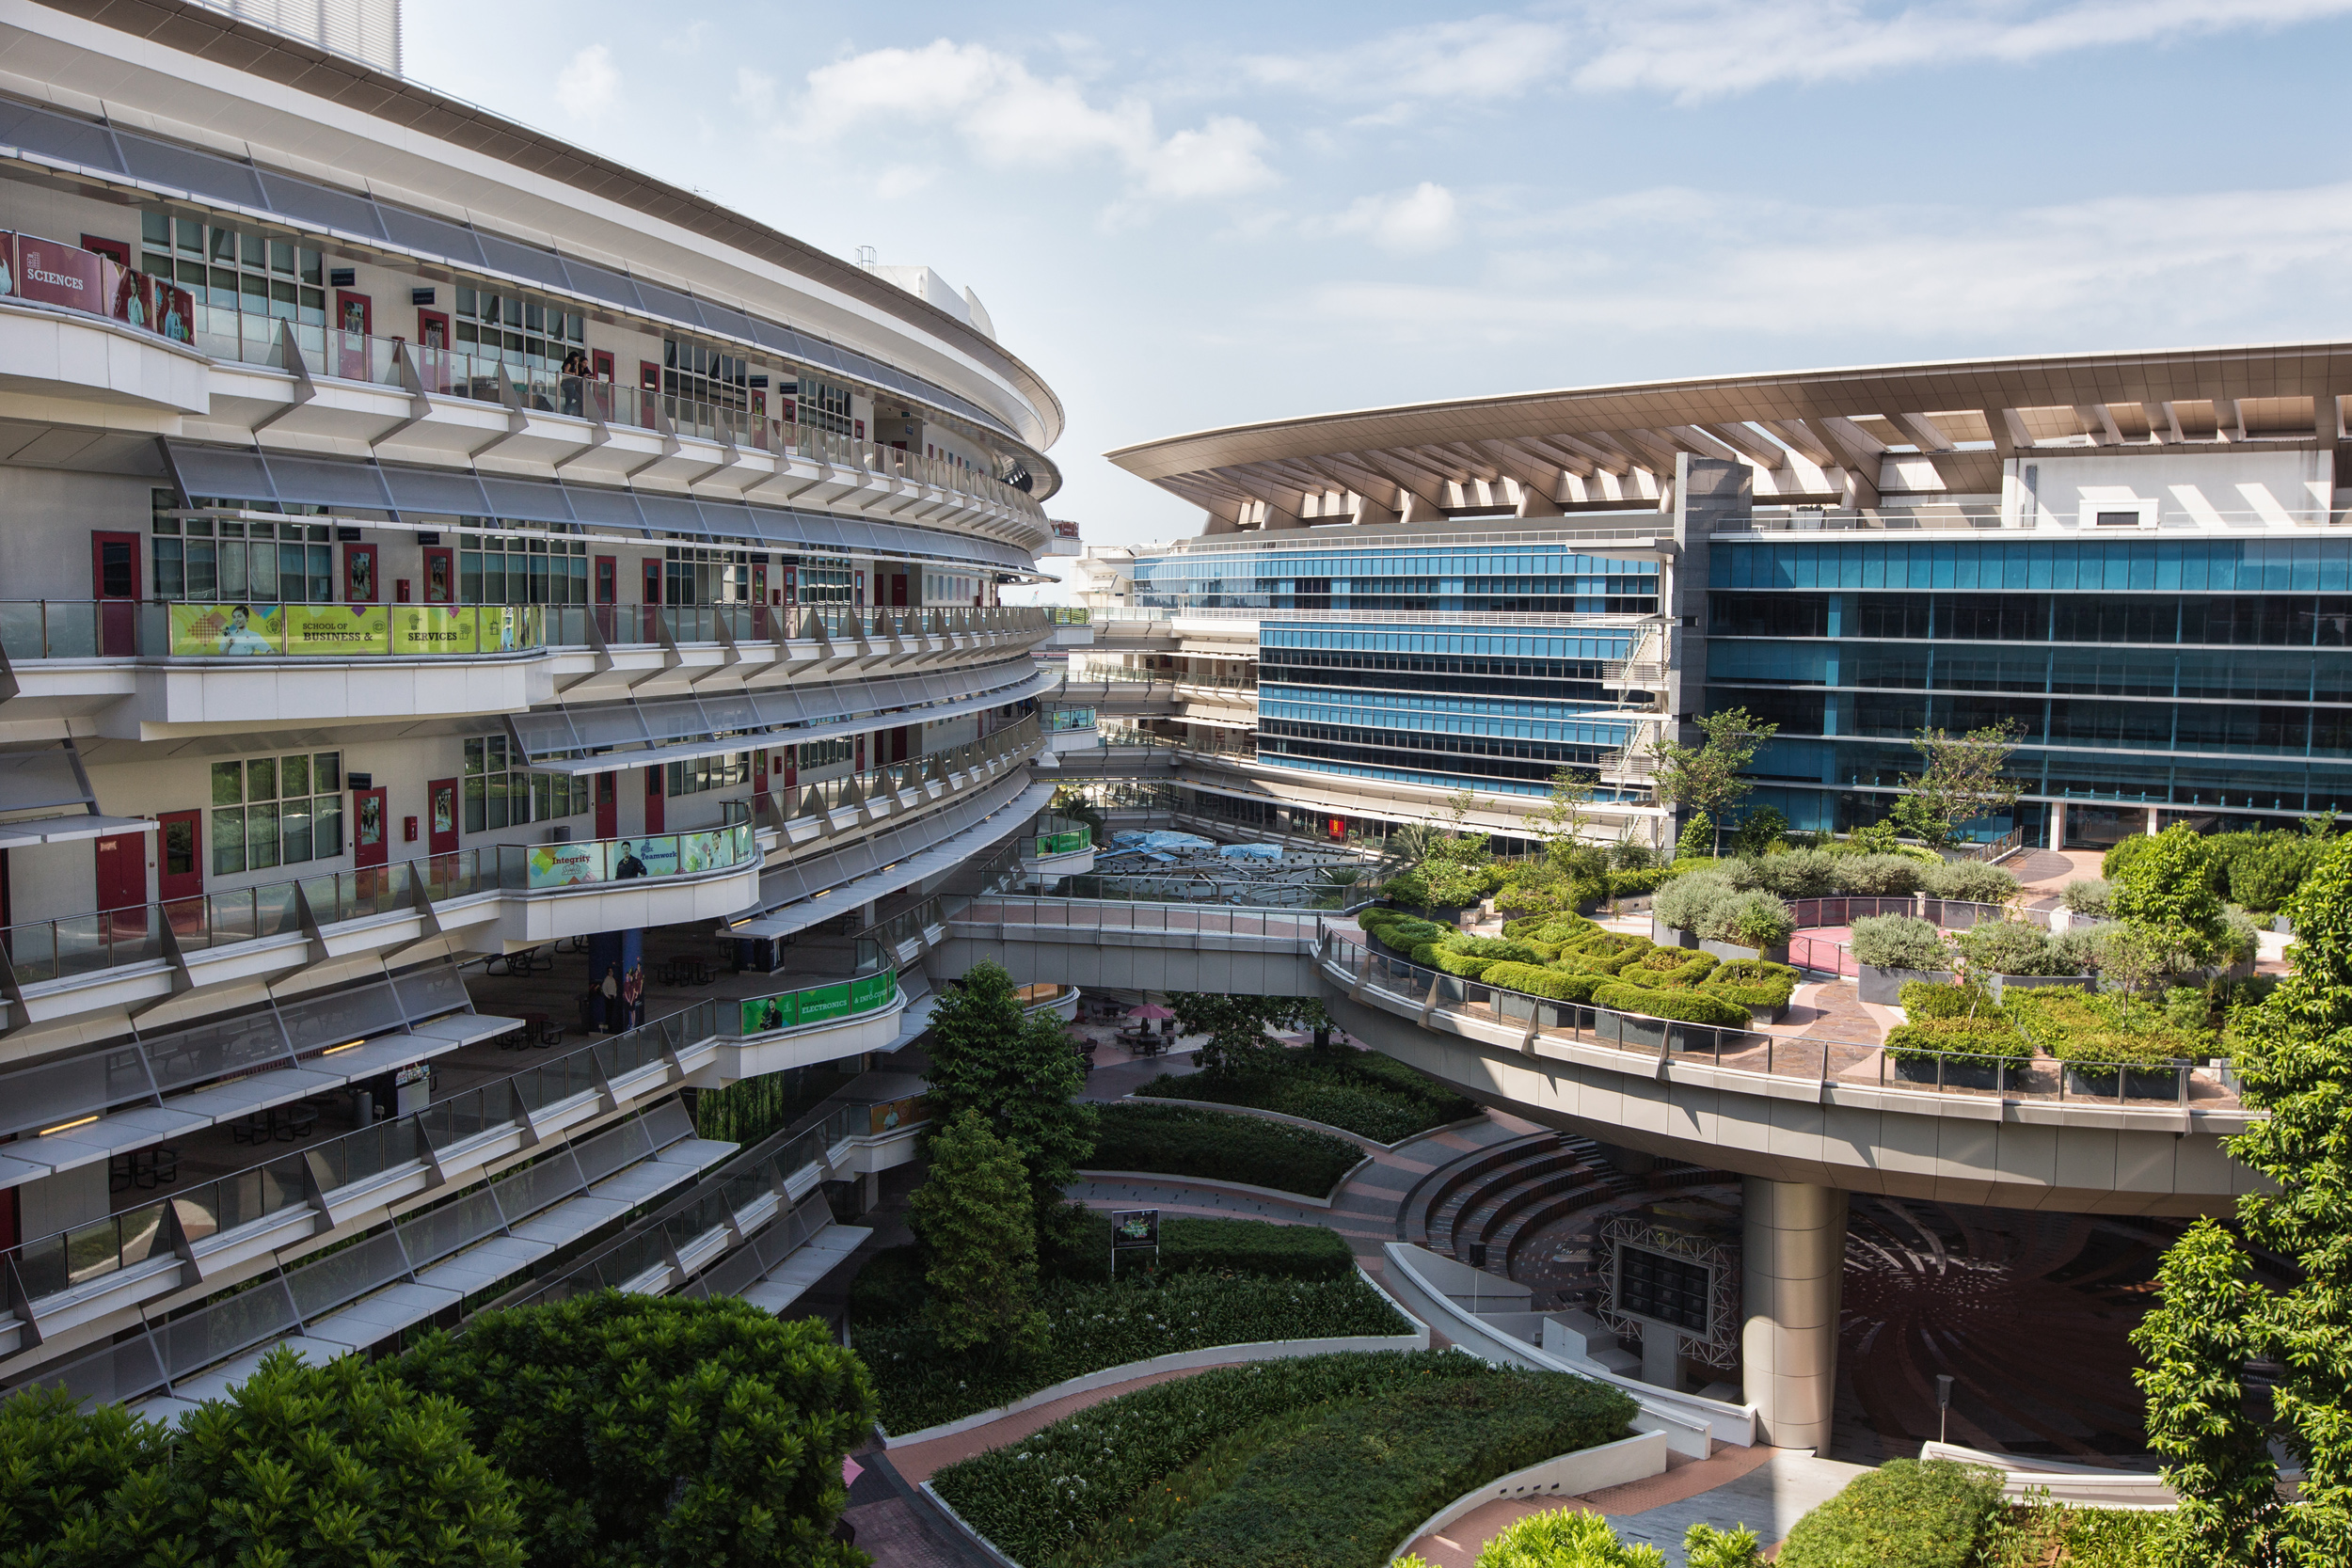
[1943, 1404]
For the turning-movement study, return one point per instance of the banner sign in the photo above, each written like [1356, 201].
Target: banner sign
[893, 1114]
[565, 864]
[765, 1015]
[227, 631]
[1063, 844]
[331, 630]
[508, 629]
[433, 629]
[49, 273]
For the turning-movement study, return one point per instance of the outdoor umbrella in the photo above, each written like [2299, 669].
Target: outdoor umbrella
[1150, 1009]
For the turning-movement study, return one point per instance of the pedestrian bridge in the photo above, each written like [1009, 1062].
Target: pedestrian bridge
[1763, 1104]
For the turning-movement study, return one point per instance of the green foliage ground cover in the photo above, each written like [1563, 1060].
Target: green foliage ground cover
[1589, 964]
[1371, 1096]
[1903, 1515]
[1094, 1325]
[1318, 1460]
[1180, 1140]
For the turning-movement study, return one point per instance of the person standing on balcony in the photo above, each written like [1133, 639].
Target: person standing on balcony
[574, 373]
[633, 995]
[610, 992]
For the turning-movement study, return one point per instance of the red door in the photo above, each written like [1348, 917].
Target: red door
[354, 315]
[608, 805]
[369, 843]
[181, 865]
[440, 575]
[655, 819]
[122, 883]
[115, 585]
[360, 573]
[441, 813]
[433, 366]
[760, 783]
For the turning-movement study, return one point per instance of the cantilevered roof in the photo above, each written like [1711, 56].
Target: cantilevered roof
[1834, 436]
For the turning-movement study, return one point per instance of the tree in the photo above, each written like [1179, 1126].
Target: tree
[1706, 778]
[972, 1214]
[2206, 1327]
[57, 1464]
[2295, 1061]
[1699, 837]
[1966, 777]
[2164, 897]
[1238, 1025]
[334, 1463]
[1454, 864]
[1760, 832]
[1020, 1072]
[1560, 826]
[646, 1431]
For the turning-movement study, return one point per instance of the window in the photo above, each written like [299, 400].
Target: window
[501, 793]
[821, 404]
[698, 372]
[211, 560]
[229, 270]
[513, 327]
[825, 753]
[276, 810]
[950, 588]
[527, 569]
[694, 575]
[706, 773]
[825, 580]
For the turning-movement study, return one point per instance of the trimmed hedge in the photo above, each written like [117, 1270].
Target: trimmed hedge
[1093, 1325]
[1685, 1007]
[1319, 1461]
[1974, 1042]
[1903, 1515]
[1190, 1245]
[1178, 1140]
[1372, 1096]
[2092, 1030]
[1752, 983]
[1668, 969]
[1551, 984]
[1924, 999]
[1493, 947]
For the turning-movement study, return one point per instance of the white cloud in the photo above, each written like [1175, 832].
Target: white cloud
[901, 179]
[590, 86]
[2131, 268]
[1489, 56]
[1011, 117]
[1699, 49]
[1414, 222]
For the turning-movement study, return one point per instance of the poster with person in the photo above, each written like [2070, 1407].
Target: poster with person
[227, 631]
[765, 1015]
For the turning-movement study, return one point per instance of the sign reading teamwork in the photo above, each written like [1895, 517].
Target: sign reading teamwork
[226, 631]
[330, 630]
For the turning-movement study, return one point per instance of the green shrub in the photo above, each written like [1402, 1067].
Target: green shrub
[1639, 879]
[1668, 969]
[1551, 984]
[1041, 1499]
[1970, 881]
[1798, 874]
[1752, 919]
[1983, 1041]
[1926, 999]
[1090, 1325]
[1878, 876]
[2267, 873]
[2089, 1029]
[2011, 948]
[1493, 947]
[1410, 890]
[1687, 1006]
[1900, 942]
[1364, 1093]
[1685, 903]
[1193, 1245]
[1752, 983]
[1468, 968]
[1606, 953]
[1903, 1515]
[2087, 896]
[2122, 853]
[1178, 1140]
[1561, 1538]
[888, 1285]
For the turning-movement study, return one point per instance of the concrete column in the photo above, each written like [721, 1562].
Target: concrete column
[2153, 829]
[2057, 825]
[1793, 1261]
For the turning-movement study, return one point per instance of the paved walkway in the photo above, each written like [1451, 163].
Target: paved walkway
[1767, 1490]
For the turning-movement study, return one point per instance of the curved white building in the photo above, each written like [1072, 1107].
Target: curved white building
[421, 542]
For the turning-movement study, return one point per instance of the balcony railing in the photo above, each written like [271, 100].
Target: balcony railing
[831, 795]
[89, 944]
[452, 372]
[1064, 720]
[129, 628]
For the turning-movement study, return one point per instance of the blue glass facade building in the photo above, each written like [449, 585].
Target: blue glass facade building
[1550, 579]
[2209, 679]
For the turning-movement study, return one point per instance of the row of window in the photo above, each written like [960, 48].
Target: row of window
[1550, 722]
[2249, 727]
[2211, 675]
[229, 270]
[1559, 680]
[505, 326]
[2239, 620]
[276, 811]
[1483, 756]
[825, 753]
[1182, 573]
[500, 794]
[1486, 644]
[2277, 565]
[706, 773]
[2240, 786]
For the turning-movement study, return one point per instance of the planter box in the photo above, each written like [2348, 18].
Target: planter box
[1668, 936]
[1731, 952]
[2139, 1082]
[1957, 1074]
[1884, 987]
[2042, 982]
[1762, 1015]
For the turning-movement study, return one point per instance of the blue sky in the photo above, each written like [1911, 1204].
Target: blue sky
[1194, 216]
